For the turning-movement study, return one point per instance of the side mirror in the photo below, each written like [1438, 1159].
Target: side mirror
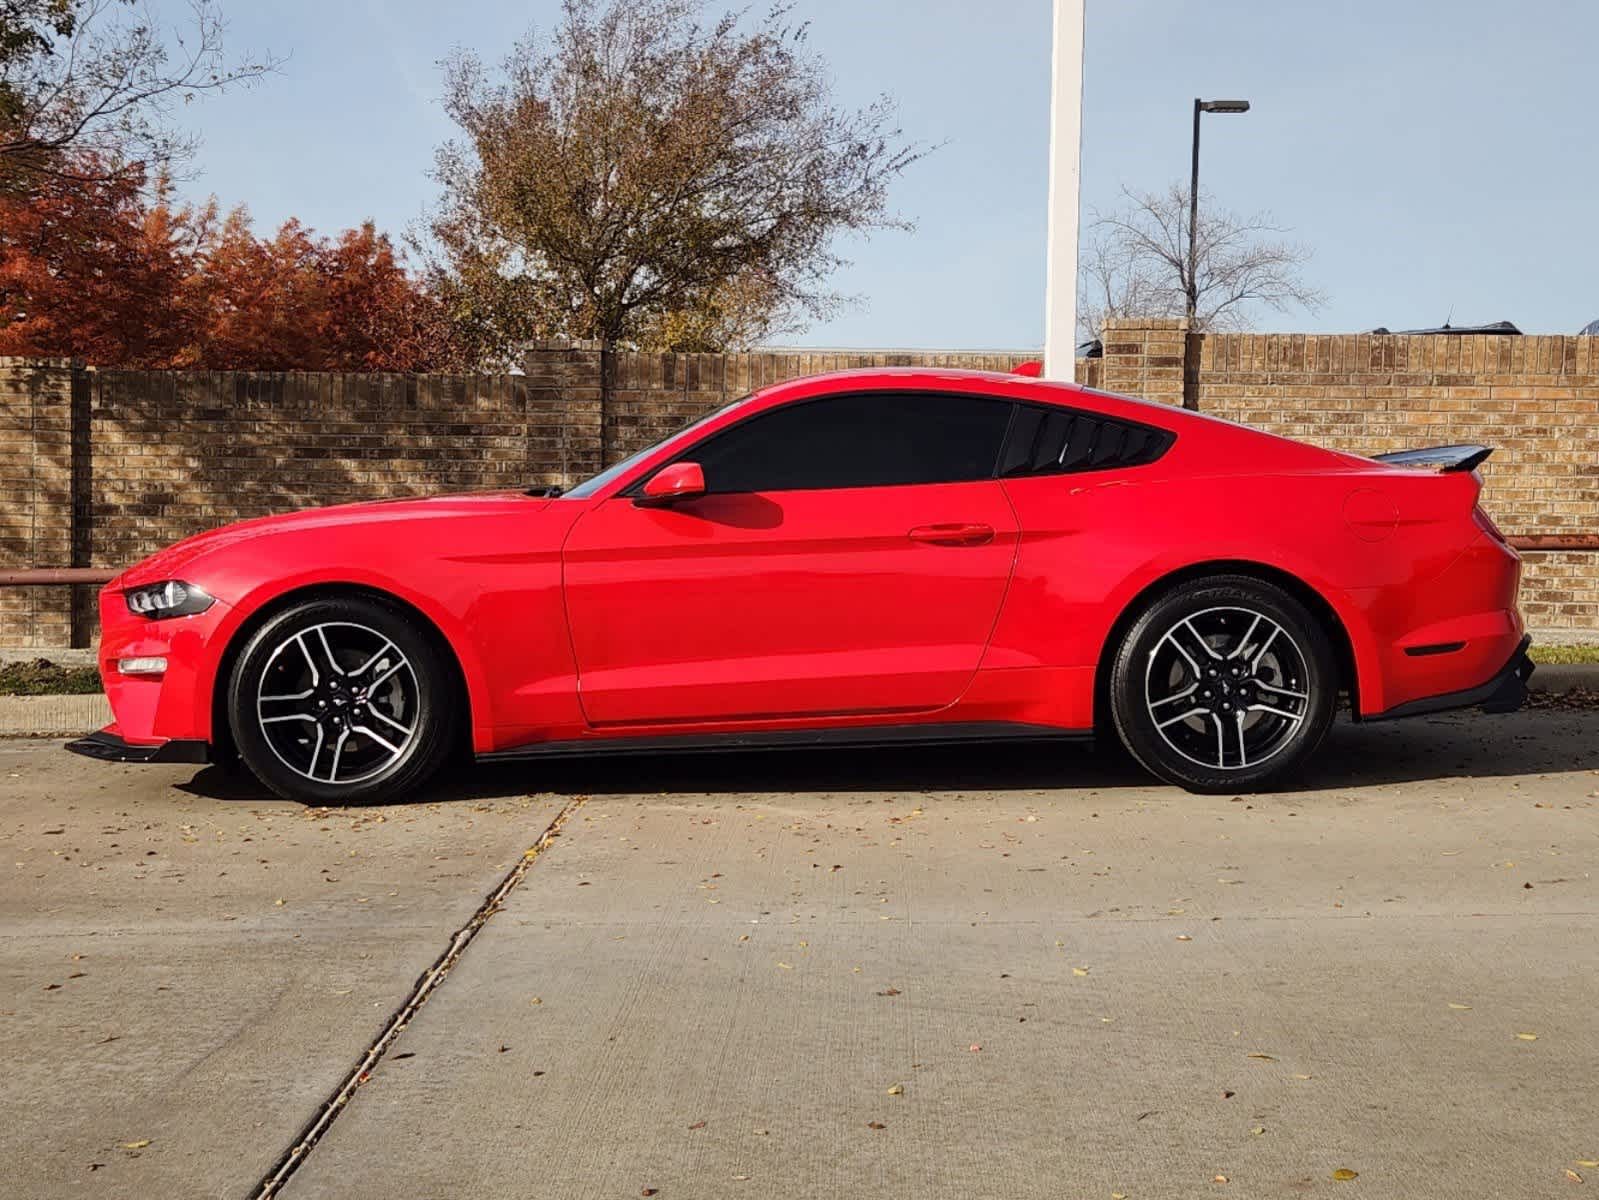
[672, 484]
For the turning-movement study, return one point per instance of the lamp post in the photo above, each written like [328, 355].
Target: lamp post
[1065, 154]
[1201, 106]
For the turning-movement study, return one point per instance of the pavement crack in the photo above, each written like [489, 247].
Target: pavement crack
[278, 1175]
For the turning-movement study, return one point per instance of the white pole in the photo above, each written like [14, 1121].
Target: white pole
[1065, 153]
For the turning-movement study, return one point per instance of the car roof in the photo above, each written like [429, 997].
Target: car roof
[999, 384]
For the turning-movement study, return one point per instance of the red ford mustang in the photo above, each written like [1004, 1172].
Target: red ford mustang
[866, 557]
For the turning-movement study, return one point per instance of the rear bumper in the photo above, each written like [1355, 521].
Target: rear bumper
[1503, 693]
[113, 747]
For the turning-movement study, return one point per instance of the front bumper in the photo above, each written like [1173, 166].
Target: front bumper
[174, 705]
[1504, 693]
[108, 746]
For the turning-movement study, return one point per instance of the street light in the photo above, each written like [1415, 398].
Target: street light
[1201, 106]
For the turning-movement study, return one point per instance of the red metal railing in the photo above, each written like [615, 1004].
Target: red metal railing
[1555, 541]
[54, 576]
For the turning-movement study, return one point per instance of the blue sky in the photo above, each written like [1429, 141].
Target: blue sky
[1438, 156]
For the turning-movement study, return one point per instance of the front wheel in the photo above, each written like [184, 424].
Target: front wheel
[341, 701]
[1226, 684]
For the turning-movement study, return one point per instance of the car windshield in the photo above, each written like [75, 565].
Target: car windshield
[595, 482]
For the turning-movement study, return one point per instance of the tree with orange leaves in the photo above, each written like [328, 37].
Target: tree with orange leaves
[91, 268]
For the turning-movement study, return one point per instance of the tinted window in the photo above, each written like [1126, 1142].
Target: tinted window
[1046, 441]
[875, 439]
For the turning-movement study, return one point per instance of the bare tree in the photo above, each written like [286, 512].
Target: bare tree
[88, 87]
[1135, 264]
[640, 177]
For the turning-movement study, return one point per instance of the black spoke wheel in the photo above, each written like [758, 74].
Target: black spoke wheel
[341, 701]
[1223, 684]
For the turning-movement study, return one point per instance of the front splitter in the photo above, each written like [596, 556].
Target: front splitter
[111, 747]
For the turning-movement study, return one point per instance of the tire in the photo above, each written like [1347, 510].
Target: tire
[1225, 684]
[341, 701]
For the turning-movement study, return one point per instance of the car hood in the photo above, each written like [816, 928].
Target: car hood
[169, 563]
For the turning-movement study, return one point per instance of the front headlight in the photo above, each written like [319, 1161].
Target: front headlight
[173, 598]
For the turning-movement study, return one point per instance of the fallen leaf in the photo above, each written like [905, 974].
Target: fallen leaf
[1303, 1076]
[650, 1192]
[1219, 1179]
[1573, 1176]
[897, 1090]
[697, 1125]
[1079, 971]
[138, 1145]
[1344, 1174]
[1460, 1007]
[875, 1125]
[1262, 1057]
[785, 966]
[1183, 937]
[1527, 1037]
[975, 1047]
[1258, 1130]
[1588, 1162]
[893, 991]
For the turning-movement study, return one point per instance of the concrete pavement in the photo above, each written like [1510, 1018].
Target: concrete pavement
[187, 964]
[1007, 972]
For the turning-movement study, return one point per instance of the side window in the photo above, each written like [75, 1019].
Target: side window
[1049, 441]
[871, 439]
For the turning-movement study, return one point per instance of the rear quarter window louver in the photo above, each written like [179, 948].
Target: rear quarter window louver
[1056, 441]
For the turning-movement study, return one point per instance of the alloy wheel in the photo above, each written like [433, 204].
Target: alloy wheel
[1227, 687]
[338, 702]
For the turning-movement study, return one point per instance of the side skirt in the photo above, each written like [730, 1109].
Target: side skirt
[778, 739]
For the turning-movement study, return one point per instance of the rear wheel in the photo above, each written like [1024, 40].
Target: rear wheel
[1226, 684]
[341, 701]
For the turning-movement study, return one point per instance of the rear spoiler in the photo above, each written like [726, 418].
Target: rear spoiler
[1438, 458]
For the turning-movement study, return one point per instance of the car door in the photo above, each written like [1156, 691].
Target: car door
[850, 556]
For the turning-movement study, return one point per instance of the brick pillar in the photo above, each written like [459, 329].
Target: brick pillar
[565, 414]
[36, 495]
[1145, 356]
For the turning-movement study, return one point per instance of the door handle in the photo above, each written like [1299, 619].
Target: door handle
[953, 535]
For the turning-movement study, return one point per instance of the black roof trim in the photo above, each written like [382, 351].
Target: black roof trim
[1496, 327]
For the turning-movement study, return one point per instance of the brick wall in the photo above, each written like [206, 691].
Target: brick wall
[100, 468]
[36, 519]
[173, 453]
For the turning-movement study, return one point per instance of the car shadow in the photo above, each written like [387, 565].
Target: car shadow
[1354, 755]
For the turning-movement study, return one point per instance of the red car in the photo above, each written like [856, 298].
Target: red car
[866, 557]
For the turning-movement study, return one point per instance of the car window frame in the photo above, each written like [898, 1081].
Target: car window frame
[687, 455]
[1165, 437]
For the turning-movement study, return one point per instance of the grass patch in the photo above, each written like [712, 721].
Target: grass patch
[1564, 656]
[41, 677]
